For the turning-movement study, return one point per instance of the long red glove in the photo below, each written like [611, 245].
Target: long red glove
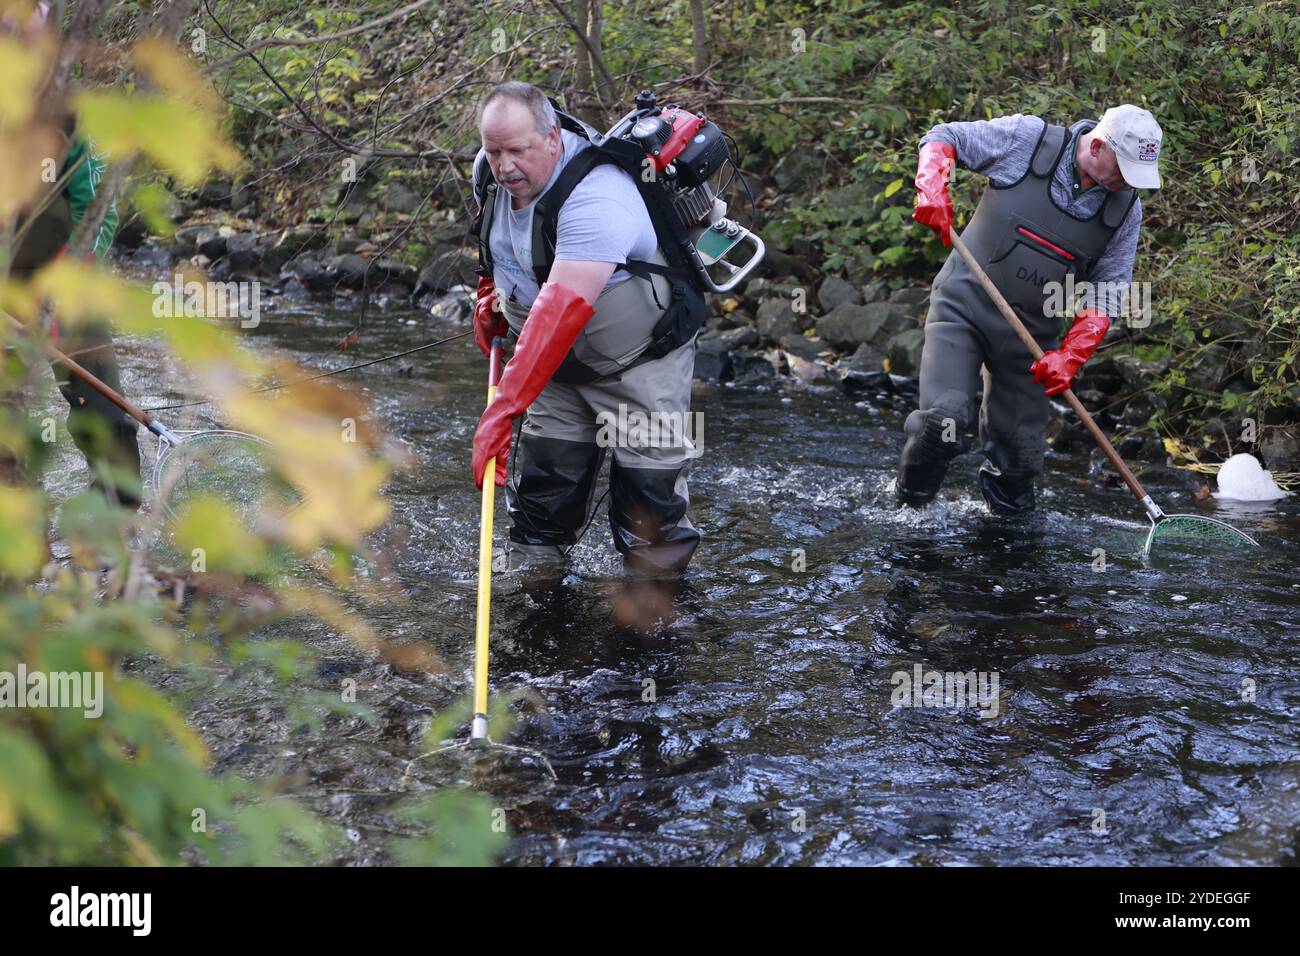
[1056, 368]
[933, 204]
[488, 320]
[554, 322]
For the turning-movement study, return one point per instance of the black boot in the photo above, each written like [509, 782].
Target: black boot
[926, 455]
[549, 494]
[1007, 495]
[647, 514]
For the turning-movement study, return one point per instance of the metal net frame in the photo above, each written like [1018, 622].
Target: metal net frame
[226, 464]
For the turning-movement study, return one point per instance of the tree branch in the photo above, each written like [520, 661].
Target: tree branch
[308, 41]
[596, 58]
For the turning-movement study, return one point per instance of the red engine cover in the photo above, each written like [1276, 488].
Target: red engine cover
[684, 124]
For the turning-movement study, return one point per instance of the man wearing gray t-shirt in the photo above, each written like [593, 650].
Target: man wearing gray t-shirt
[583, 373]
[1061, 212]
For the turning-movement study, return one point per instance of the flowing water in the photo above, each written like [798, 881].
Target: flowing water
[761, 720]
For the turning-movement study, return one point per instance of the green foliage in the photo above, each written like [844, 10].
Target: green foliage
[855, 84]
[462, 831]
[122, 777]
[1219, 241]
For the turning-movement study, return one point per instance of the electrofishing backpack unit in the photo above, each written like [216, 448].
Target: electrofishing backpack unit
[672, 155]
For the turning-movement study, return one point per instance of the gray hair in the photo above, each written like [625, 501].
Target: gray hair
[528, 96]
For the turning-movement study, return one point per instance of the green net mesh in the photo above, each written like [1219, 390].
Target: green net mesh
[1193, 529]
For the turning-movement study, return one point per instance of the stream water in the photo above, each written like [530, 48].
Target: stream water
[758, 722]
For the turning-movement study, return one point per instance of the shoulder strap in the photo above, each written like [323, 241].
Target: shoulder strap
[1048, 152]
[627, 158]
[1116, 207]
[485, 191]
[569, 122]
[547, 211]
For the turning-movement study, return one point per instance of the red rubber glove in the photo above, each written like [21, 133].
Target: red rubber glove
[933, 204]
[488, 320]
[557, 317]
[1056, 368]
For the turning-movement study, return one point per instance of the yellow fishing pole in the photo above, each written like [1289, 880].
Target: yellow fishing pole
[483, 614]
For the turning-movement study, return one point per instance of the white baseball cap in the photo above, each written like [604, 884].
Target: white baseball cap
[1135, 136]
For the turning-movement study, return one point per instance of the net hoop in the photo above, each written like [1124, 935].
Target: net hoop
[166, 449]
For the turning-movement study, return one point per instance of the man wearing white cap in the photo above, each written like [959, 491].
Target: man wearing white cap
[1061, 204]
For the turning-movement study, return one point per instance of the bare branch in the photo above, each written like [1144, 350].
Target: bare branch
[308, 41]
[607, 81]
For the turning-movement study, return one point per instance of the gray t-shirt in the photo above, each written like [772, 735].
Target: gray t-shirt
[603, 220]
[1002, 148]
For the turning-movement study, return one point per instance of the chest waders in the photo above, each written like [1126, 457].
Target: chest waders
[1028, 245]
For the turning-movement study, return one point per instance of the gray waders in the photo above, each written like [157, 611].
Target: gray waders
[570, 426]
[1024, 241]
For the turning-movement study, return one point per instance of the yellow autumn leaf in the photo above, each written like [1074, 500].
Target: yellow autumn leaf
[174, 73]
[201, 343]
[25, 154]
[17, 300]
[321, 450]
[79, 292]
[343, 501]
[23, 65]
[132, 697]
[178, 138]
[22, 532]
[210, 523]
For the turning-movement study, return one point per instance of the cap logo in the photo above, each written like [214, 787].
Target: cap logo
[1148, 150]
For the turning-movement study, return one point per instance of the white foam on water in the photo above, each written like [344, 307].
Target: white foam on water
[1243, 478]
[1117, 522]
